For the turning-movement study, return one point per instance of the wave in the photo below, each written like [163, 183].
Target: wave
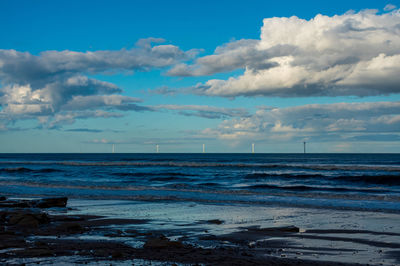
[325, 167]
[168, 178]
[142, 174]
[203, 188]
[209, 184]
[311, 188]
[28, 170]
[380, 203]
[367, 179]
[272, 175]
[372, 179]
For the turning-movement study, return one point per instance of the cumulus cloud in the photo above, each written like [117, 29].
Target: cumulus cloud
[352, 121]
[104, 101]
[389, 7]
[350, 54]
[69, 117]
[54, 82]
[205, 111]
[25, 68]
[231, 56]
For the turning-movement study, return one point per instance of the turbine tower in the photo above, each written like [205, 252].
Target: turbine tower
[113, 148]
[304, 143]
[157, 148]
[204, 148]
[252, 148]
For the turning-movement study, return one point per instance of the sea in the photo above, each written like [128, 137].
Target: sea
[369, 182]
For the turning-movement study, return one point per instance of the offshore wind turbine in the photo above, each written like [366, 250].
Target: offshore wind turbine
[204, 148]
[304, 148]
[157, 149]
[113, 148]
[252, 147]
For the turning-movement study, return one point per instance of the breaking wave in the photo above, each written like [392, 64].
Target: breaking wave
[368, 179]
[327, 167]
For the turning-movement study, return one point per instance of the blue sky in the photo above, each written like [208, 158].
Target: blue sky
[75, 76]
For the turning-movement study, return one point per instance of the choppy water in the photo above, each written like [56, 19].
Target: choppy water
[344, 181]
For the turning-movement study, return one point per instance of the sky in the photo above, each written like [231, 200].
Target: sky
[82, 76]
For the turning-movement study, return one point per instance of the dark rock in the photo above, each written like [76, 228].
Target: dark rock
[208, 237]
[41, 244]
[50, 202]
[162, 242]
[26, 219]
[14, 204]
[11, 241]
[215, 221]
[117, 254]
[283, 229]
[38, 252]
[70, 227]
[101, 252]
[72, 219]
[40, 203]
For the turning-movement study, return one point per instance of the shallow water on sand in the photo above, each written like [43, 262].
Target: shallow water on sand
[326, 235]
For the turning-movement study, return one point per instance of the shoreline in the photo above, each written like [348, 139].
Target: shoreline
[335, 202]
[91, 231]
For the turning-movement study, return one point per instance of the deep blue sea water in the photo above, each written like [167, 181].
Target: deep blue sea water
[343, 181]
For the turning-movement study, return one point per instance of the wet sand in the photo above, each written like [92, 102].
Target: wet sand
[164, 233]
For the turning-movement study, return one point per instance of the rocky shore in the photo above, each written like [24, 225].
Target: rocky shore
[42, 228]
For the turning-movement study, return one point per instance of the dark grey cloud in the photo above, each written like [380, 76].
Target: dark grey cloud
[89, 130]
[61, 119]
[38, 70]
[56, 83]
[119, 102]
[164, 90]
[231, 56]
[210, 112]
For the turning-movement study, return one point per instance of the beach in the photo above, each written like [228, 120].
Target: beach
[180, 219]
[211, 133]
[163, 233]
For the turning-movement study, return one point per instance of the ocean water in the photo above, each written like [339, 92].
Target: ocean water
[338, 181]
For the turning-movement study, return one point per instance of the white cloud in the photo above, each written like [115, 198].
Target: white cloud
[55, 82]
[389, 7]
[350, 54]
[339, 121]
